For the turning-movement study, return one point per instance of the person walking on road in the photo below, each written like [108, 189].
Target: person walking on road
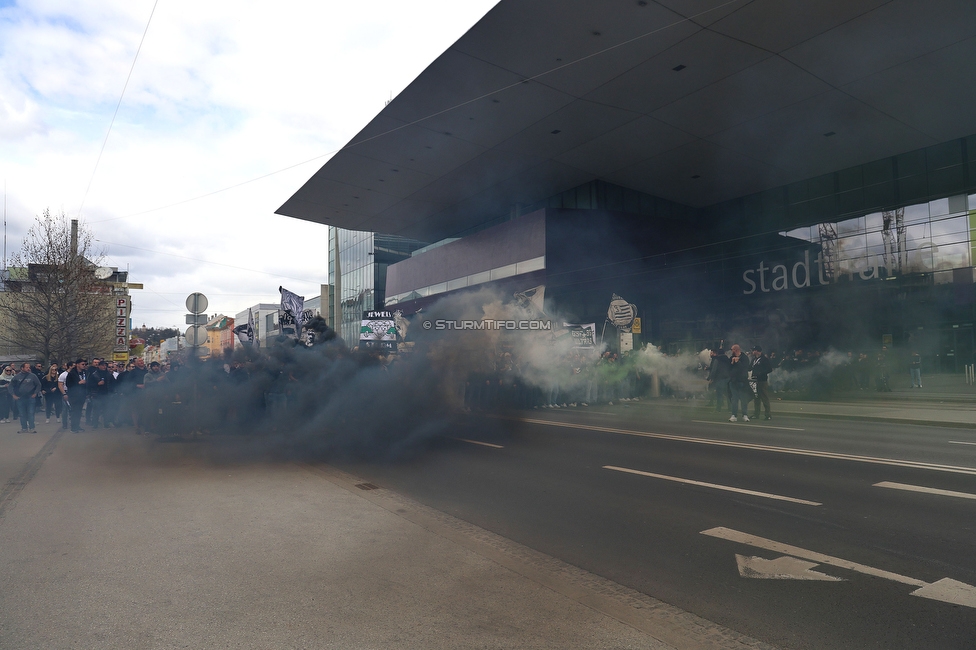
[24, 389]
[761, 367]
[739, 384]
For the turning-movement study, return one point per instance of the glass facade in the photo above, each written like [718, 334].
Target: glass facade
[363, 260]
[931, 237]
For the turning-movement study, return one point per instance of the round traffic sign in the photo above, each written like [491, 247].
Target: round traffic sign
[196, 303]
[196, 335]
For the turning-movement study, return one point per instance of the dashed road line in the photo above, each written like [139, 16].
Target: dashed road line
[959, 442]
[829, 455]
[476, 442]
[715, 486]
[750, 424]
[925, 490]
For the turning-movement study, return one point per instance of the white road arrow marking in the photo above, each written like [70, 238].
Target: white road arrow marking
[949, 591]
[945, 590]
[783, 568]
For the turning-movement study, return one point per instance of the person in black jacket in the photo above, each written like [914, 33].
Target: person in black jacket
[76, 386]
[739, 367]
[52, 396]
[718, 376]
[761, 367]
[101, 385]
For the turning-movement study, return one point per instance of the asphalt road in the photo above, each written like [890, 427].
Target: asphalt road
[629, 492]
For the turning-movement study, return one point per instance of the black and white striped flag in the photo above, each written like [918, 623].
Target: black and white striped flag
[621, 313]
[293, 305]
[245, 331]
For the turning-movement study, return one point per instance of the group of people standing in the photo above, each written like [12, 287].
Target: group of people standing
[729, 377]
[26, 389]
[98, 393]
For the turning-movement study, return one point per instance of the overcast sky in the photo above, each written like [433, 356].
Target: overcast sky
[221, 93]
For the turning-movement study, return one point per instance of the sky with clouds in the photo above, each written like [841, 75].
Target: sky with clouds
[221, 93]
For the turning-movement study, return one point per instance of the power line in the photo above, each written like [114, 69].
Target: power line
[431, 115]
[195, 259]
[117, 106]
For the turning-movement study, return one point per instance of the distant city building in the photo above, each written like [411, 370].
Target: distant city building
[217, 328]
[111, 283]
[266, 319]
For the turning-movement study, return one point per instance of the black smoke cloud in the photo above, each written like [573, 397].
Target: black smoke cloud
[330, 402]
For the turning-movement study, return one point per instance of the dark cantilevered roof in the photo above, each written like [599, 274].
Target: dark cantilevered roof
[695, 101]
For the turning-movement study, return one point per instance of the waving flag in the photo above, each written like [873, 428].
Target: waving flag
[293, 305]
[245, 331]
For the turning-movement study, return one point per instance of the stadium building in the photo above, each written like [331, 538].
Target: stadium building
[800, 173]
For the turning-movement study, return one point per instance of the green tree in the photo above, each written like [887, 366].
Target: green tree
[52, 306]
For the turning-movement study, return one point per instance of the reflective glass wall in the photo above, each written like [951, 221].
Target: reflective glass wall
[363, 260]
[356, 279]
[930, 237]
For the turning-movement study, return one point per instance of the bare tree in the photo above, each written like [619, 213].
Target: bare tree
[53, 307]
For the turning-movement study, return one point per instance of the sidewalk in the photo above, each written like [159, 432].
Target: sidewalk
[943, 400]
[120, 541]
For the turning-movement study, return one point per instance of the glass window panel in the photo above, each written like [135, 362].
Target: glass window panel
[438, 288]
[918, 213]
[948, 228]
[958, 204]
[874, 236]
[938, 207]
[953, 256]
[458, 283]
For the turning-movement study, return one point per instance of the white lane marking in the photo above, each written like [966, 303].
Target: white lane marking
[779, 450]
[713, 485]
[957, 442]
[926, 490]
[946, 590]
[782, 568]
[475, 442]
[750, 424]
